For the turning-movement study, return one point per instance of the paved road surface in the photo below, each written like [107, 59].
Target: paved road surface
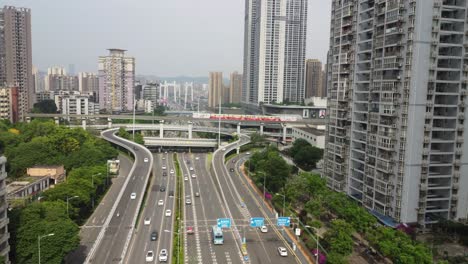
[111, 245]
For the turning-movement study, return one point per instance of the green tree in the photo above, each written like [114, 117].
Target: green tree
[338, 238]
[335, 258]
[307, 157]
[298, 144]
[45, 106]
[40, 219]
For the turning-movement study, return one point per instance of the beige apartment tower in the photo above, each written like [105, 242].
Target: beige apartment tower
[314, 76]
[16, 55]
[215, 89]
[235, 88]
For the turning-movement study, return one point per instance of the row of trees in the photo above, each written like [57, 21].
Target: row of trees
[125, 134]
[309, 192]
[84, 157]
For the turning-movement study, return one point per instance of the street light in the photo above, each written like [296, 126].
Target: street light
[68, 199]
[39, 244]
[317, 237]
[92, 184]
[284, 201]
[178, 243]
[264, 186]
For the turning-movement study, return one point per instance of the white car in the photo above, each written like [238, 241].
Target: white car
[224, 149]
[163, 255]
[147, 221]
[163, 158]
[263, 229]
[133, 196]
[150, 256]
[168, 212]
[185, 178]
[145, 159]
[188, 201]
[197, 158]
[282, 251]
[194, 176]
[248, 153]
[164, 167]
[191, 168]
[172, 171]
[160, 202]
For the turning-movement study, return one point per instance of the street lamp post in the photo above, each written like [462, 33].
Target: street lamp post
[68, 199]
[284, 201]
[92, 184]
[178, 243]
[39, 244]
[317, 238]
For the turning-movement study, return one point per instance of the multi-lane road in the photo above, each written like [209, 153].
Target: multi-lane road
[214, 190]
[113, 238]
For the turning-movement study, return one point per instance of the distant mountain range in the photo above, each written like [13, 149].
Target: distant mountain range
[179, 79]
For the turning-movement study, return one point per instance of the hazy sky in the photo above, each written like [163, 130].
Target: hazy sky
[167, 37]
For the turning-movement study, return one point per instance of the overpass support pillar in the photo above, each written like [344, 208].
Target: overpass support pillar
[57, 120]
[190, 129]
[83, 123]
[109, 122]
[161, 129]
[261, 128]
[285, 130]
[238, 128]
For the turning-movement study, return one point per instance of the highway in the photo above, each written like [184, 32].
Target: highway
[141, 242]
[202, 215]
[244, 203]
[112, 241]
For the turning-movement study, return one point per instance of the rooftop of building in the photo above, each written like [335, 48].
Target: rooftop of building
[21, 183]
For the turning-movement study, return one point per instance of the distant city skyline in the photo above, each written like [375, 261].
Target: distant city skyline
[165, 45]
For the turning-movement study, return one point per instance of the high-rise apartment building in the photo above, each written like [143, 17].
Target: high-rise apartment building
[9, 103]
[397, 103]
[4, 234]
[314, 76]
[151, 93]
[88, 83]
[116, 81]
[215, 89]
[58, 80]
[274, 51]
[75, 104]
[235, 88]
[16, 55]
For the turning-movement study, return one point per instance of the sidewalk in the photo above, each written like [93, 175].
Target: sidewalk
[90, 230]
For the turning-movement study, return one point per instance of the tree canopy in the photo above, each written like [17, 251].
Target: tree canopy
[47, 106]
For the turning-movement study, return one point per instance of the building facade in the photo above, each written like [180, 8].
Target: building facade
[88, 83]
[16, 55]
[116, 81]
[215, 89]
[58, 80]
[314, 76]
[314, 136]
[9, 104]
[4, 234]
[78, 105]
[397, 91]
[150, 92]
[274, 51]
[235, 88]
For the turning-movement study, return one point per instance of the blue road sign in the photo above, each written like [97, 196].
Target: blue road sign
[283, 221]
[257, 221]
[224, 222]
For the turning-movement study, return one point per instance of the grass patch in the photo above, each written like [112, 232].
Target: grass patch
[209, 158]
[178, 252]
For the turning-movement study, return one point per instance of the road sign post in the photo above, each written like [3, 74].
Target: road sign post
[257, 221]
[283, 221]
[224, 222]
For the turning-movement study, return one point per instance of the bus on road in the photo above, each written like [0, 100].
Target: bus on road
[217, 233]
